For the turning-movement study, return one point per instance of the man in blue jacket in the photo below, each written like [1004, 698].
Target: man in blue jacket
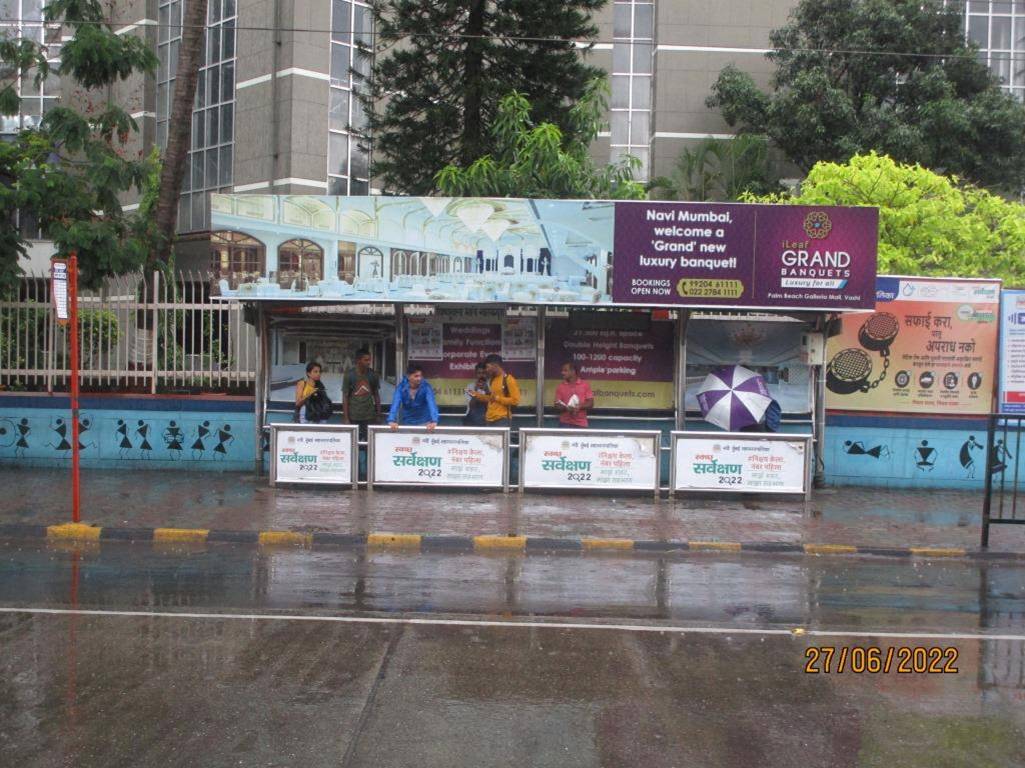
[413, 404]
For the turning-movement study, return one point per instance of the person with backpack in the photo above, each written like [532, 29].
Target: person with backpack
[312, 405]
[414, 404]
[476, 410]
[361, 394]
[503, 394]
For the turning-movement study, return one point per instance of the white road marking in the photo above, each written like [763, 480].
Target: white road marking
[511, 624]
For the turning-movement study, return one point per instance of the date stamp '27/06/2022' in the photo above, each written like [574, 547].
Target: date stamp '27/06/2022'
[903, 659]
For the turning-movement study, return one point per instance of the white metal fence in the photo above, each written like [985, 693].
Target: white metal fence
[158, 335]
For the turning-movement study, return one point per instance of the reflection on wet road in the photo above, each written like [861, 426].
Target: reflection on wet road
[160, 690]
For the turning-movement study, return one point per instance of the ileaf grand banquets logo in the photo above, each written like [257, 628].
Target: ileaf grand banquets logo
[806, 264]
[817, 225]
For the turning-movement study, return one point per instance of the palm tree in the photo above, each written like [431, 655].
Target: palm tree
[719, 169]
[179, 127]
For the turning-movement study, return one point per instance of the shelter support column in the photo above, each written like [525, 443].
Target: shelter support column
[680, 374]
[262, 379]
[539, 374]
[819, 426]
[400, 343]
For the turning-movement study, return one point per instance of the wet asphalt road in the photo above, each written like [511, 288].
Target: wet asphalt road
[236, 657]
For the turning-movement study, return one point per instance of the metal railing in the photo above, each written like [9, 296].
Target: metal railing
[1003, 473]
[155, 335]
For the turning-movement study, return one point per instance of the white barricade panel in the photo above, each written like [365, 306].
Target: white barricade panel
[737, 462]
[448, 456]
[582, 458]
[313, 453]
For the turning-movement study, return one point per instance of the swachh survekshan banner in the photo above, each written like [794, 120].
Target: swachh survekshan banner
[542, 252]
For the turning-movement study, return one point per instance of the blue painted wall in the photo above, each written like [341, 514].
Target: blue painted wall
[217, 435]
[136, 433]
[904, 452]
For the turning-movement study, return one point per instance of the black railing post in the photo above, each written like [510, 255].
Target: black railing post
[987, 500]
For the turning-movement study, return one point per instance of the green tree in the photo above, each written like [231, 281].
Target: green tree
[895, 76]
[441, 68]
[69, 172]
[929, 224]
[529, 160]
[718, 169]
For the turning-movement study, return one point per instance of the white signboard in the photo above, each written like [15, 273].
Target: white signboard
[448, 456]
[519, 339]
[313, 453]
[582, 458]
[425, 339]
[59, 274]
[718, 461]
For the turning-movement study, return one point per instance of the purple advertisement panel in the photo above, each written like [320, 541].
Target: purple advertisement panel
[823, 257]
[723, 254]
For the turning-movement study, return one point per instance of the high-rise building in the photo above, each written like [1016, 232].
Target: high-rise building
[275, 108]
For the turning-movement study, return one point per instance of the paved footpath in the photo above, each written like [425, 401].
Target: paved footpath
[860, 517]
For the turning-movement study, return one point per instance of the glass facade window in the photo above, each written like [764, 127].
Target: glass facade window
[633, 64]
[209, 166]
[348, 148]
[24, 19]
[998, 28]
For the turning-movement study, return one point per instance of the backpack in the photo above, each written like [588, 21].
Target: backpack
[318, 407]
[505, 393]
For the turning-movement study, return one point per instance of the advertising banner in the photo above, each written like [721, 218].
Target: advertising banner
[743, 255]
[715, 461]
[442, 250]
[568, 458]
[448, 456]
[449, 346]
[625, 368]
[313, 453]
[771, 348]
[1012, 352]
[930, 347]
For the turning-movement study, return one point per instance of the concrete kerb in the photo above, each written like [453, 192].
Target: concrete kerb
[491, 543]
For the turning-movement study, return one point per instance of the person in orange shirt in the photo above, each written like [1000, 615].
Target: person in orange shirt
[504, 394]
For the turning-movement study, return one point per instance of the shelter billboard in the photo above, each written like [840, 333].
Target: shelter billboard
[626, 368]
[559, 252]
[450, 345]
[741, 255]
[1012, 352]
[930, 347]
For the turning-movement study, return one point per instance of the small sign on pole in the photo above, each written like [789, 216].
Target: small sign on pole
[59, 289]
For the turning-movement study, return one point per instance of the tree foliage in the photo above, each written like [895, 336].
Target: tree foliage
[929, 224]
[539, 160]
[895, 76]
[69, 173]
[441, 68]
[719, 169]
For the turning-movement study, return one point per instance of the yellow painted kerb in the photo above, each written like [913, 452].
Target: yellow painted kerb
[285, 539]
[74, 531]
[619, 544]
[715, 546]
[180, 534]
[500, 542]
[937, 551]
[830, 549]
[394, 540]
